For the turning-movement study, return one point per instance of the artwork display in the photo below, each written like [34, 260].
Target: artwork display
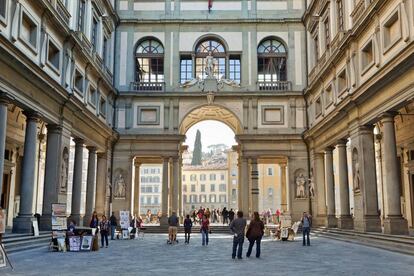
[59, 209]
[74, 243]
[125, 234]
[86, 243]
[124, 219]
[59, 220]
[2, 221]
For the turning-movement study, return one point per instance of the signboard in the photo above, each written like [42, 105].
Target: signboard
[59, 209]
[285, 221]
[2, 221]
[124, 219]
[74, 243]
[59, 220]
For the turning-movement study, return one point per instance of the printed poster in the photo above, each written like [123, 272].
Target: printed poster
[124, 219]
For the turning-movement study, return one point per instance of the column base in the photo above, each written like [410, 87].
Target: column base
[368, 224]
[345, 222]
[23, 224]
[78, 219]
[331, 221]
[319, 221]
[87, 220]
[395, 225]
[45, 223]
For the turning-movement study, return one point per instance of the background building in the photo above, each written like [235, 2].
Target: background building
[150, 189]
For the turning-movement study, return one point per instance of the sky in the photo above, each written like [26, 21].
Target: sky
[212, 132]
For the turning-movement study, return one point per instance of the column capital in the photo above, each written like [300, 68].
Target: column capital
[91, 149]
[102, 155]
[329, 149]
[366, 129]
[253, 160]
[341, 143]
[78, 141]
[388, 117]
[137, 163]
[54, 128]
[32, 115]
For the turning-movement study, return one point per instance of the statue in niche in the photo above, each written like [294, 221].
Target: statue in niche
[209, 69]
[64, 171]
[311, 185]
[119, 186]
[300, 186]
[108, 183]
[356, 177]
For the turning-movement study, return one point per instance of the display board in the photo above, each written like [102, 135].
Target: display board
[86, 243]
[124, 219]
[74, 243]
[59, 220]
[2, 221]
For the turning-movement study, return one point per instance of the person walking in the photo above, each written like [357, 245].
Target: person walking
[225, 215]
[188, 224]
[172, 228]
[306, 225]
[255, 232]
[237, 227]
[194, 216]
[114, 224]
[104, 226]
[231, 215]
[204, 229]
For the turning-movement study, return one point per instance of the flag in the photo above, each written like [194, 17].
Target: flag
[210, 5]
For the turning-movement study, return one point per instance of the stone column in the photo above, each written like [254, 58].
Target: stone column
[366, 217]
[3, 129]
[345, 220]
[283, 203]
[102, 180]
[90, 186]
[330, 188]
[255, 186]
[137, 187]
[77, 182]
[23, 222]
[394, 222]
[180, 188]
[319, 185]
[175, 187]
[244, 187]
[52, 174]
[164, 192]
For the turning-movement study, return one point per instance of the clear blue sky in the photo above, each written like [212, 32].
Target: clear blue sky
[212, 132]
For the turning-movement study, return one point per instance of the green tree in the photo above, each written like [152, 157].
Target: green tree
[197, 153]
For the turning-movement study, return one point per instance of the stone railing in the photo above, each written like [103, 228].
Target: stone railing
[147, 86]
[274, 85]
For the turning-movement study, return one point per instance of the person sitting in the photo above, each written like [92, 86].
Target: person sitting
[71, 228]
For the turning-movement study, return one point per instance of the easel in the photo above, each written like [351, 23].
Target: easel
[5, 253]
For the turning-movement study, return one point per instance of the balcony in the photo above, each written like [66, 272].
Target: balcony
[61, 10]
[147, 86]
[274, 85]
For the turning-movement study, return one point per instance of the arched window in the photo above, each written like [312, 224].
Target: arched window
[217, 50]
[271, 61]
[149, 62]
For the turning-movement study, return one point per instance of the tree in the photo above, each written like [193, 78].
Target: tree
[197, 150]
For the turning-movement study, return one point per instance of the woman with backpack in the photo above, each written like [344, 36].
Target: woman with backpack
[104, 226]
[254, 234]
[204, 229]
[188, 224]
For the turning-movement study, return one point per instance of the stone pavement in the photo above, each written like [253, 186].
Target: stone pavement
[152, 256]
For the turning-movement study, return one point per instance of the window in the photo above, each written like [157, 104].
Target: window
[28, 31]
[102, 107]
[105, 51]
[234, 68]
[81, 15]
[156, 200]
[234, 182]
[184, 188]
[217, 50]
[367, 56]
[271, 61]
[270, 192]
[212, 177]
[392, 30]
[53, 55]
[202, 177]
[202, 198]
[186, 69]
[150, 62]
[222, 177]
[193, 177]
[233, 172]
[223, 199]
[78, 82]
[94, 34]
[222, 187]
[340, 14]
[233, 194]
[183, 177]
[212, 187]
[156, 189]
[185, 200]
[193, 188]
[328, 96]
[202, 188]
[269, 171]
[342, 82]
[3, 8]
[92, 96]
[212, 198]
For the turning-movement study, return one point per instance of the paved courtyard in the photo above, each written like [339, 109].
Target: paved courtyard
[152, 256]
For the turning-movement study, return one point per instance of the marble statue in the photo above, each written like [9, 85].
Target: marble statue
[311, 185]
[209, 69]
[64, 171]
[119, 187]
[356, 177]
[300, 186]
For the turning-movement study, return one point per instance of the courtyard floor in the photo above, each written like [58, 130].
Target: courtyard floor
[152, 256]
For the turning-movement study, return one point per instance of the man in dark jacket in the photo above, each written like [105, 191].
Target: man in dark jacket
[237, 227]
[114, 224]
[231, 215]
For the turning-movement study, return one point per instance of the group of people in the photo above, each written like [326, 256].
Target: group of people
[216, 215]
[254, 232]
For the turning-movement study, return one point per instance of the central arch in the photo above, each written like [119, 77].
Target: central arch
[211, 112]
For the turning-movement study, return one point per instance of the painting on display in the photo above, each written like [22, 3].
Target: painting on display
[2, 221]
[124, 219]
[125, 234]
[86, 243]
[2, 257]
[59, 209]
[74, 243]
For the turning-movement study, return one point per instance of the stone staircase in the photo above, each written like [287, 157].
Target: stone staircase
[396, 243]
[18, 242]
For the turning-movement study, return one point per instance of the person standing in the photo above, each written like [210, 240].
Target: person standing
[306, 225]
[231, 215]
[94, 221]
[255, 232]
[114, 224]
[172, 229]
[225, 215]
[237, 227]
[204, 229]
[188, 224]
[104, 229]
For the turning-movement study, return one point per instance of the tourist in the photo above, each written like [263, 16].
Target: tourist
[149, 215]
[306, 225]
[194, 216]
[225, 215]
[172, 228]
[237, 227]
[104, 229]
[114, 224]
[188, 224]
[94, 221]
[254, 234]
[133, 225]
[200, 214]
[214, 217]
[204, 229]
[207, 213]
[231, 215]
